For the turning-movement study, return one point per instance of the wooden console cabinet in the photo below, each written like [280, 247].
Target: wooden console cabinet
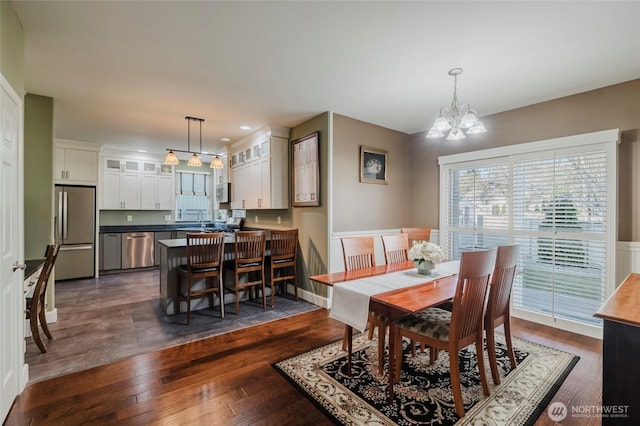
[621, 352]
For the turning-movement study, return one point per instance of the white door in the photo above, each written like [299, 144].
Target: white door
[11, 252]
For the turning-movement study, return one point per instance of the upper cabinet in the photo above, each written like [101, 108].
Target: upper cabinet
[133, 184]
[259, 170]
[75, 163]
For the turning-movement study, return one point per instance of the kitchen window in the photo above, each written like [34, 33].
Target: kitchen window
[557, 200]
[193, 196]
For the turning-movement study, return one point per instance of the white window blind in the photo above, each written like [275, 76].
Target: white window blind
[558, 204]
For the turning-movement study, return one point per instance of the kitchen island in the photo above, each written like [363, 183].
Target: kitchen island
[173, 253]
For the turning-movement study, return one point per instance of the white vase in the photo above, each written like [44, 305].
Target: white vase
[424, 267]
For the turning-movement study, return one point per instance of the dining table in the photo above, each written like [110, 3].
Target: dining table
[393, 291]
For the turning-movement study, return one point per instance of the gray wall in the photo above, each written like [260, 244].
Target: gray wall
[11, 47]
[365, 206]
[616, 106]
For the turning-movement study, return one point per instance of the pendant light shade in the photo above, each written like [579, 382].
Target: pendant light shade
[216, 163]
[194, 161]
[171, 159]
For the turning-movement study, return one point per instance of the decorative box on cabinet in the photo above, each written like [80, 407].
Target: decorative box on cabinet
[75, 163]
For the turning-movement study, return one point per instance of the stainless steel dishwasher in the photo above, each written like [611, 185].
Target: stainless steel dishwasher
[137, 250]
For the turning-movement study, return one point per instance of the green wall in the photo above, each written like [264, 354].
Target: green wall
[11, 47]
[38, 176]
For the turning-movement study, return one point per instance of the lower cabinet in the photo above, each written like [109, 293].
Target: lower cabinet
[159, 236]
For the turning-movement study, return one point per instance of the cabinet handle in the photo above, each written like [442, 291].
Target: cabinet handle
[66, 173]
[259, 202]
[62, 174]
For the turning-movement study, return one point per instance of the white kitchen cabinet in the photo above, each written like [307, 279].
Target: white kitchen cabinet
[259, 177]
[75, 166]
[130, 184]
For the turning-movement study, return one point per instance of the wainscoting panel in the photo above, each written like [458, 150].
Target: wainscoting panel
[627, 260]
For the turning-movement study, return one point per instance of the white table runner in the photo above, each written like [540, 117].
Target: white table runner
[350, 300]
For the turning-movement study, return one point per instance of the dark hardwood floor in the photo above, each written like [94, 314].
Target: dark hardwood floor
[228, 379]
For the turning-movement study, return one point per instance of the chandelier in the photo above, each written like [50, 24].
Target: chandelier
[194, 160]
[456, 118]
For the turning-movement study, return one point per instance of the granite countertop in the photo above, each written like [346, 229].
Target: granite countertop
[32, 266]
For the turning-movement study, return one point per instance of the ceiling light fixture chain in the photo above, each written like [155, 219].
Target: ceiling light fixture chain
[456, 118]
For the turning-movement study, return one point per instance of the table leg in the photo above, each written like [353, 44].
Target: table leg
[349, 348]
[392, 358]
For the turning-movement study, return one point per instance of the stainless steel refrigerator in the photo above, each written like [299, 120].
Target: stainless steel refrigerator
[75, 230]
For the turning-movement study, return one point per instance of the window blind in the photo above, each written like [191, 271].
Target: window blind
[556, 204]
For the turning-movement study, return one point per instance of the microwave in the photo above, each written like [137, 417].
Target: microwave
[222, 192]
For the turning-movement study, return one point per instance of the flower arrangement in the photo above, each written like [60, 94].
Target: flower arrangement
[374, 166]
[425, 251]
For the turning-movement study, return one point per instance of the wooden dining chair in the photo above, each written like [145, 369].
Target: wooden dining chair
[417, 234]
[249, 264]
[358, 253]
[36, 304]
[204, 262]
[452, 331]
[396, 248]
[282, 248]
[499, 304]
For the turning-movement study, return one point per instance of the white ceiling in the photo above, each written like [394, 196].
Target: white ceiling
[125, 73]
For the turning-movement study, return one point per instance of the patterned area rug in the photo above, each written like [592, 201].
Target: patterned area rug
[423, 395]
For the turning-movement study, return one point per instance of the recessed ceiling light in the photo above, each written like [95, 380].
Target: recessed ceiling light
[245, 127]
[142, 150]
[225, 139]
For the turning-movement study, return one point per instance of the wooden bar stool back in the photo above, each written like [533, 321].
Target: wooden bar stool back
[36, 304]
[249, 264]
[452, 331]
[204, 261]
[417, 234]
[282, 248]
[396, 248]
[499, 304]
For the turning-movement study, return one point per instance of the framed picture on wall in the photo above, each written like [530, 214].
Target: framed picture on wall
[305, 171]
[373, 165]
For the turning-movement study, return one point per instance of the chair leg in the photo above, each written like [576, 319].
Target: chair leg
[43, 323]
[491, 350]
[382, 332]
[483, 373]
[221, 295]
[295, 282]
[264, 295]
[370, 331]
[188, 300]
[345, 339]
[433, 355]
[507, 337]
[454, 369]
[33, 322]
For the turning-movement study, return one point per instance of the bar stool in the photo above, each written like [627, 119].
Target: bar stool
[283, 261]
[249, 264]
[204, 261]
[36, 304]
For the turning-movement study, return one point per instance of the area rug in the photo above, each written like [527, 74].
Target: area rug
[423, 395]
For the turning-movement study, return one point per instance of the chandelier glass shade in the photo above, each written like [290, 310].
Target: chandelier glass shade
[456, 119]
[194, 160]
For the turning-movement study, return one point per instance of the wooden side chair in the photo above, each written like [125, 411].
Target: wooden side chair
[204, 261]
[417, 234]
[452, 331]
[36, 304]
[249, 264]
[499, 304]
[358, 253]
[283, 261]
[396, 248]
